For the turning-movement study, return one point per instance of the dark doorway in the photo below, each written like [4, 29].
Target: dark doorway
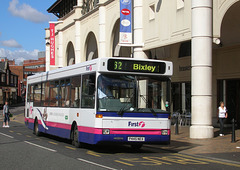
[233, 100]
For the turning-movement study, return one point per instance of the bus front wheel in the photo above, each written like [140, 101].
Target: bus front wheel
[75, 141]
[36, 130]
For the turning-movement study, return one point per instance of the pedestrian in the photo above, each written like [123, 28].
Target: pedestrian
[6, 115]
[222, 115]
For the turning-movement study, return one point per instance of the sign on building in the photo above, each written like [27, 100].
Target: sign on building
[125, 36]
[52, 43]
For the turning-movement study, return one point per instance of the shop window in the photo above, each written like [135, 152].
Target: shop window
[88, 91]
[185, 49]
[75, 91]
[181, 97]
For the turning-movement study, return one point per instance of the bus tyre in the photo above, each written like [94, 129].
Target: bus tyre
[136, 146]
[36, 130]
[75, 137]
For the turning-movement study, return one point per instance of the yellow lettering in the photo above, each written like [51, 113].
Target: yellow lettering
[135, 66]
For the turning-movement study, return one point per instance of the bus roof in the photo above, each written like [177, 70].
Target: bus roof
[102, 65]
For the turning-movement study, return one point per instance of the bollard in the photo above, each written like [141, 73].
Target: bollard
[176, 127]
[233, 131]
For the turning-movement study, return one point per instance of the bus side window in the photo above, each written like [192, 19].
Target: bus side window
[75, 91]
[37, 95]
[88, 91]
[29, 94]
[54, 95]
[64, 93]
[45, 93]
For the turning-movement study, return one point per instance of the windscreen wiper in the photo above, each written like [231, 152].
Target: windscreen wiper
[121, 111]
[151, 109]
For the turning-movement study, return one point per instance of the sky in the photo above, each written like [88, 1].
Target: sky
[22, 28]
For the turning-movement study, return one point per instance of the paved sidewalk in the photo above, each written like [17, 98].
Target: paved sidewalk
[219, 144]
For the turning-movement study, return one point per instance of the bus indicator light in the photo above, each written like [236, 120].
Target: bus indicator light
[99, 116]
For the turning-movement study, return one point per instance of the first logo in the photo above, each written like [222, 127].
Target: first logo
[126, 2]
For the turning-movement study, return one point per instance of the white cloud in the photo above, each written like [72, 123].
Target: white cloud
[19, 55]
[10, 43]
[27, 12]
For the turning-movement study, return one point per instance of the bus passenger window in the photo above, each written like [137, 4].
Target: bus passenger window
[45, 91]
[88, 91]
[54, 85]
[37, 95]
[75, 91]
[30, 94]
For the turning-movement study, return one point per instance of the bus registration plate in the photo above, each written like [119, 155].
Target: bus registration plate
[136, 138]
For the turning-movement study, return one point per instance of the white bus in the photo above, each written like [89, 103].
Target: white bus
[120, 100]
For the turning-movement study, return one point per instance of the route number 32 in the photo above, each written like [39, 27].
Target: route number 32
[117, 65]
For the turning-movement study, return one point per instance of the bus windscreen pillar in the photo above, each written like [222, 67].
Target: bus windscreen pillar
[201, 70]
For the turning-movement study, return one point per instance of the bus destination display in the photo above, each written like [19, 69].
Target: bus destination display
[136, 66]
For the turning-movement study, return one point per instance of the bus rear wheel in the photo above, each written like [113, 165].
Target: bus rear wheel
[75, 141]
[36, 130]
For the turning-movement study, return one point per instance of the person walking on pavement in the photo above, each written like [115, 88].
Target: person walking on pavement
[222, 115]
[6, 115]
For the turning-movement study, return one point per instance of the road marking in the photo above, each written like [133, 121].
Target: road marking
[51, 142]
[93, 163]
[52, 150]
[68, 147]
[19, 133]
[11, 131]
[124, 163]
[211, 160]
[6, 135]
[93, 153]
[28, 136]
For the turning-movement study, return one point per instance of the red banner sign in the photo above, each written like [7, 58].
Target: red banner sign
[52, 44]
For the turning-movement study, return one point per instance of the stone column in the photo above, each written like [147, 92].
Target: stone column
[138, 28]
[102, 31]
[78, 58]
[47, 48]
[61, 61]
[79, 2]
[201, 69]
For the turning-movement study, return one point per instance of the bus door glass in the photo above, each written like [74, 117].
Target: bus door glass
[29, 101]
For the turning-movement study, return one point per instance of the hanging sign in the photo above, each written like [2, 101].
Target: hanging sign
[52, 44]
[125, 36]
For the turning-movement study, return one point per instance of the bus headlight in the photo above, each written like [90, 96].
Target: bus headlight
[164, 132]
[106, 131]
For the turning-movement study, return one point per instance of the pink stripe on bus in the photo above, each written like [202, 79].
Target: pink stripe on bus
[119, 131]
[135, 132]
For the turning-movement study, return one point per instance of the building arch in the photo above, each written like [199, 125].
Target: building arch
[223, 8]
[118, 51]
[230, 27]
[70, 53]
[91, 47]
